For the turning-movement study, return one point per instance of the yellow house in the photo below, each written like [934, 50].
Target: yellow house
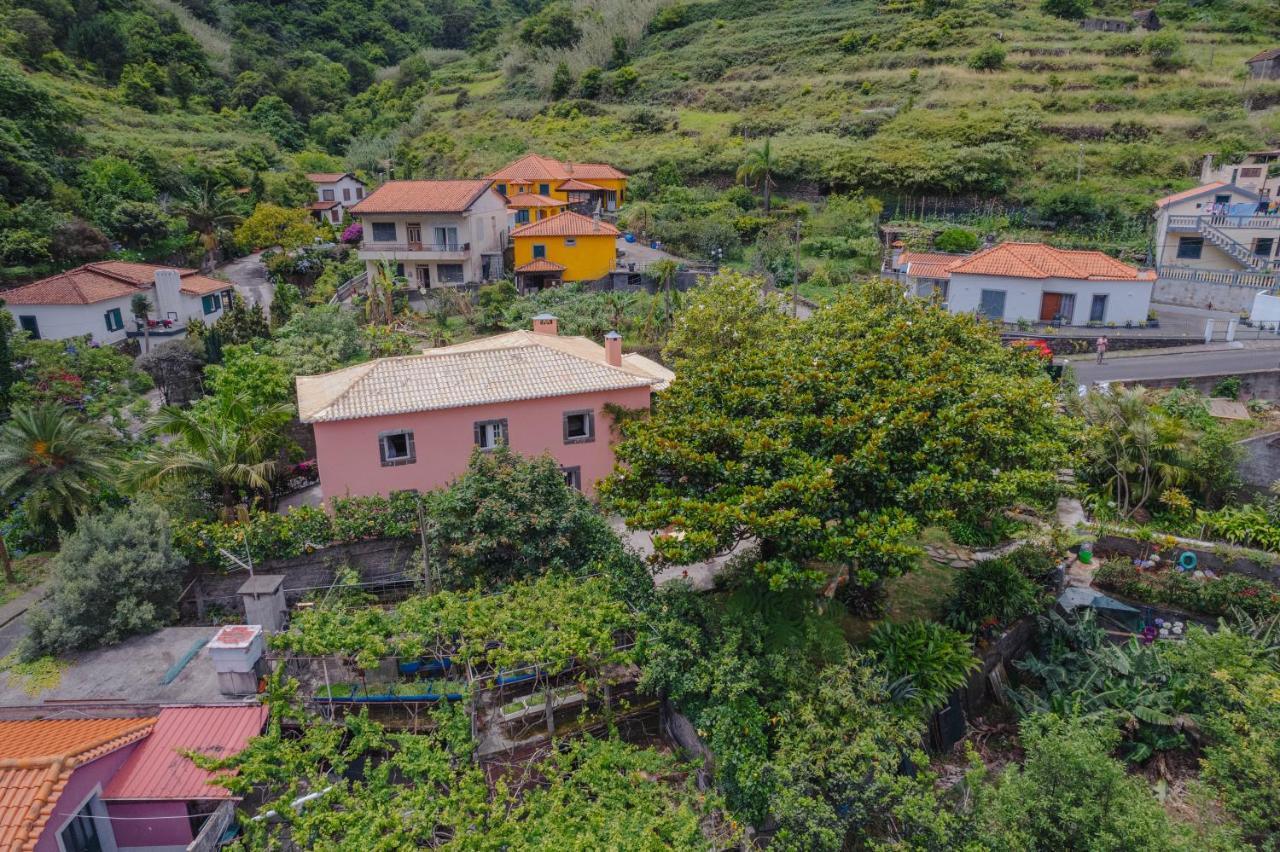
[565, 247]
[587, 187]
[531, 207]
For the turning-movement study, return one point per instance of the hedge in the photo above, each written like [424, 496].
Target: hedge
[300, 531]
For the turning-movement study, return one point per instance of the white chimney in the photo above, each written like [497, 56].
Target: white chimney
[168, 296]
[236, 652]
[546, 324]
[613, 349]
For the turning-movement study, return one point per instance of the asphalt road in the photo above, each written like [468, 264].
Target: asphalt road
[1175, 366]
[249, 276]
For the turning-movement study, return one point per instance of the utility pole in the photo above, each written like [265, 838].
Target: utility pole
[795, 276]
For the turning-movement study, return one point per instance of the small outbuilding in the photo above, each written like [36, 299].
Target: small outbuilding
[1266, 65]
[1146, 19]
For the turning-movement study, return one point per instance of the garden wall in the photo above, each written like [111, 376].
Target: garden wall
[1083, 342]
[381, 561]
[1236, 298]
[1256, 565]
[1262, 384]
[1260, 466]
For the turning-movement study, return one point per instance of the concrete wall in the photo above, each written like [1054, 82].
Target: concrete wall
[1127, 301]
[1263, 384]
[58, 322]
[1260, 467]
[1266, 309]
[348, 450]
[1201, 294]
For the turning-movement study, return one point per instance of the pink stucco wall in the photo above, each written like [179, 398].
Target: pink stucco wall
[347, 451]
[142, 824]
[83, 781]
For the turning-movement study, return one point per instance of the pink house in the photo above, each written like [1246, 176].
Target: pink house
[411, 423]
[76, 785]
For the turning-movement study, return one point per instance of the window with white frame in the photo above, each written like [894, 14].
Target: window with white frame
[81, 833]
[579, 426]
[326, 195]
[396, 448]
[115, 321]
[211, 303]
[572, 477]
[490, 434]
[384, 232]
[570, 242]
[450, 273]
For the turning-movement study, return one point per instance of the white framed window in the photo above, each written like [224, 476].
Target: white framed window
[211, 303]
[489, 434]
[384, 232]
[579, 426]
[396, 448]
[346, 193]
[115, 321]
[572, 477]
[570, 242]
[449, 273]
[326, 195]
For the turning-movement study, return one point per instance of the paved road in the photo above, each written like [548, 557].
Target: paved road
[249, 275]
[1176, 366]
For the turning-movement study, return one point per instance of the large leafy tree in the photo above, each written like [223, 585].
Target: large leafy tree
[829, 442]
[53, 463]
[228, 444]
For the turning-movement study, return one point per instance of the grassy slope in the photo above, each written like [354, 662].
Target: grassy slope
[748, 67]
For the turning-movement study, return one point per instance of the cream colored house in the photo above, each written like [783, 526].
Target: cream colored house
[1220, 233]
[437, 233]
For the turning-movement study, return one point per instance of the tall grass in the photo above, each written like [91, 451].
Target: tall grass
[215, 43]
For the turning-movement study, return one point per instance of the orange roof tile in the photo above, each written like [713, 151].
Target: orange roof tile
[537, 167]
[926, 264]
[532, 199]
[36, 762]
[322, 205]
[1190, 193]
[98, 282]
[566, 224]
[1037, 260]
[574, 185]
[540, 265]
[422, 196]
[160, 769]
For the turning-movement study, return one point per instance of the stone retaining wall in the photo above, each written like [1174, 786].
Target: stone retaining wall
[386, 561]
[1260, 384]
[1258, 565]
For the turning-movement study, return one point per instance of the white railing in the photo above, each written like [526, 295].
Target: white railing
[1224, 221]
[1233, 278]
[348, 287]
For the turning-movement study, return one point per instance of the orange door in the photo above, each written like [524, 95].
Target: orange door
[1050, 305]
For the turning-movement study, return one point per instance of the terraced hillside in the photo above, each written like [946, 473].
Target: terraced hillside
[884, 96]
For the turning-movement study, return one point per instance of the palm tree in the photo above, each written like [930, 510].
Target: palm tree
[382, 285]
[757, 169]
[207, 210]
[140, 306]
[664, 273]
[230, 447]
[53, 462]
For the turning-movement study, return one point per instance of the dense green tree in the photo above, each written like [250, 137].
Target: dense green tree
[1072, 10]
[561, 81]
[509, 518]
[271, 225]
[956, 240]
[554, 27]
[176, 367]
[116, 576]
[53, 464]
[227, 445]
[829, 442]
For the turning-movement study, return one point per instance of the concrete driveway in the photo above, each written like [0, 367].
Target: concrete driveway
[249, 275]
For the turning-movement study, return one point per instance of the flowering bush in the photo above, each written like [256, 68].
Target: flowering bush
[353, 233]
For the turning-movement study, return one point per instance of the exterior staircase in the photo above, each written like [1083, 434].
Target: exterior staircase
[1242, 254]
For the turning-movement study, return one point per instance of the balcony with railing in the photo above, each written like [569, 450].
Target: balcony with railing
[378, 250]
[1260, 221]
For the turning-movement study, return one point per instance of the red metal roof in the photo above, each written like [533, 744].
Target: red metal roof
[422, 196]
[566, 224]
[1037, 260]
[159, 769]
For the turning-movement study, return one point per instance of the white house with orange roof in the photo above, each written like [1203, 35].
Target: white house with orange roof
[437, 233]
[1033, 282]
[336, 192]
[589, 188]
[96, 299]
[1225, 231]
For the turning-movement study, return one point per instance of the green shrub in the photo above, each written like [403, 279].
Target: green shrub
[956, 240]
[934, 659]
[1072, 10]
[671, 18]
[116, 576]
[1247, 524]
[990, 594]
[989, 57]
[1207, 596]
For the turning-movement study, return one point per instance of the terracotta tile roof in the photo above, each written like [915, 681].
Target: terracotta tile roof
[508, 367]
[98, 282]
[1037, 260]
[537, 167]
[566, 224]
[1190, 193]
[574, 185]
[159, 768]
[532, 199]
[540, 265]
[330, 177]
[36, 762]
[422, 196]
[1273, 53]
[322, 205]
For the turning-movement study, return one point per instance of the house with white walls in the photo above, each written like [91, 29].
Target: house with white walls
[1033, 282]
[435, 233]
[96, 299]
[336, 193]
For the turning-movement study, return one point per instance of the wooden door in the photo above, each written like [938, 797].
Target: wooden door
[1050, 306]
